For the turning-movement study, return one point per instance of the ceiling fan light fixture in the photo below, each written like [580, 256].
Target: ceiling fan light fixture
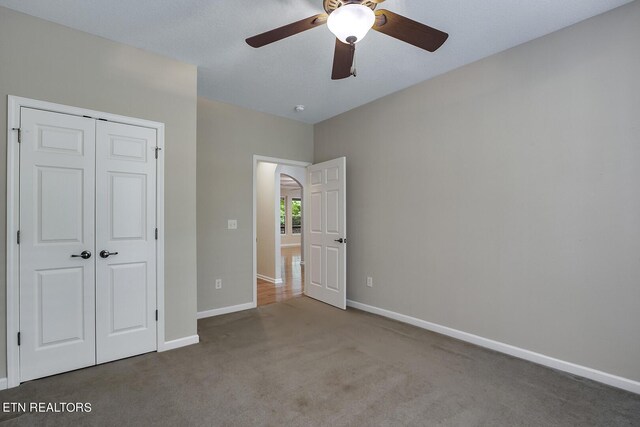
[351, 20]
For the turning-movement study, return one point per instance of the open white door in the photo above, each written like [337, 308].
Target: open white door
[326, 233]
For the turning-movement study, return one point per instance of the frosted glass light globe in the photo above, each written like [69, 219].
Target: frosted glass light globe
[351, 20]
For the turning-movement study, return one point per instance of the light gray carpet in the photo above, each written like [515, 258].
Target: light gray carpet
[305, 363]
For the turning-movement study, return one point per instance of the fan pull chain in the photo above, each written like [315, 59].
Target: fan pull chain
[353, 66]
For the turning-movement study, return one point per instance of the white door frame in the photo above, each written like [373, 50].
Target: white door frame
[14, 104]
[256, 160]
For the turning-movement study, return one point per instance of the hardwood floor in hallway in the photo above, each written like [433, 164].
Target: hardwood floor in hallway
[292, 275]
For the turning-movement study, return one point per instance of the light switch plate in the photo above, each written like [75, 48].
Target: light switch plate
[232, 224]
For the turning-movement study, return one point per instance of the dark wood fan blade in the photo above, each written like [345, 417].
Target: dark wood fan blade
[342, 60]
[287, 30]
[409, 31]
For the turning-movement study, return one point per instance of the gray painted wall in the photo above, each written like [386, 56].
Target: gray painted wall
[228, 137]
[46, 61]
[503, 198]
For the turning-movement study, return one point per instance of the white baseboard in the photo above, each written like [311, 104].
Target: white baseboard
[180, 342]
[269, 279]
[225, 310]
[3, 383]
[541, 359]
[290, 245]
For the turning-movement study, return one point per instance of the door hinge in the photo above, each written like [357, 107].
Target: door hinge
[18, 236]
[156, 315]
[19, 134]
[157, 150]
[156, 234]
[18, 338]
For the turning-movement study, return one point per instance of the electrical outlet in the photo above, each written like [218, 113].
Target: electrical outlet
[218, 283]
[370, 282]
[232, 224]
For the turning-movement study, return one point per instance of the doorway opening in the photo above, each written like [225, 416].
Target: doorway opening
[323, 250]
[279, 217]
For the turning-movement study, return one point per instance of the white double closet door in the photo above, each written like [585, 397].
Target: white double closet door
[87, 242]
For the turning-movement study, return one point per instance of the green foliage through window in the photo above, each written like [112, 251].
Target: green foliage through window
[296, 215]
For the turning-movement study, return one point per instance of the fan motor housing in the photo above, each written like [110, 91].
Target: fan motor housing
[331, 5]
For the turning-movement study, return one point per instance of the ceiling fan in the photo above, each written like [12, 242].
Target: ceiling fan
[350, 20]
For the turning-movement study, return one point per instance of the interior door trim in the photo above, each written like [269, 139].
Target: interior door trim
[14, 104]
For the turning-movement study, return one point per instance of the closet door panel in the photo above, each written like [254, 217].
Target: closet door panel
[126, 245]
[57, 263]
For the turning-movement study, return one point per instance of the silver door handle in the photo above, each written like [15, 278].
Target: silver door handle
[83, 255]
[105, 253]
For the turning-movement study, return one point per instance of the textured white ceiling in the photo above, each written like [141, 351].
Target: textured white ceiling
[297, 70]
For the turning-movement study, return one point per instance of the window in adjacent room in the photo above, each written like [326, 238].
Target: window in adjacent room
[283, 215]
[296, 215]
